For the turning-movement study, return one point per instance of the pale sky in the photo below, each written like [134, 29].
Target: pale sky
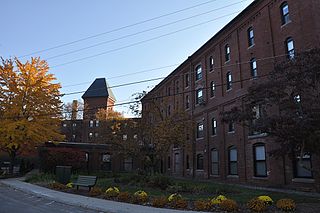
[111, 38]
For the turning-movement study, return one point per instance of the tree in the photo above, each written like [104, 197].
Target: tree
[286, 106]
[30, 106]
[161, 132]
[73, 111]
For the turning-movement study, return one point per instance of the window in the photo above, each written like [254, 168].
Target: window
[260, 166]
[86, 157]
[124, 137]
[176, 162]
[188, 162]
[91, 123]
[168, 91]
[106, 162]
[227, 52]
[211, 63]
[169, 162]
[96, 134]
[199, 96]
[90, 135]
[214, 162]
[214, 126]
[303, 166]
[250, 37]
[97, 123]
[233, 161]
[64, 125]
[253, 68]
[198, 72]
[200, 130]
[199, 162]
[135, 136]
[290, 48]
[128, 164]
[231, 126]
[257, 112]
[212, 89]
[229, 81]
[74, 125]
[73, 137]
[187, 80]
[284, 9]
[187, 102]
[169, 110]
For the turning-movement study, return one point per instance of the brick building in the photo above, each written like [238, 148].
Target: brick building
[91, 135]
[215, 78]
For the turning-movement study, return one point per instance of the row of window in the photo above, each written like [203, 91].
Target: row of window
[302, 165]
[124, 137]
[214, 128]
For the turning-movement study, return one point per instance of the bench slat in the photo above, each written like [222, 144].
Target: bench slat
[88, 181]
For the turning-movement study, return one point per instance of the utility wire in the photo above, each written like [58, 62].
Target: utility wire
[143, 31]
[143, 41]
[192, 72]
[117, 29]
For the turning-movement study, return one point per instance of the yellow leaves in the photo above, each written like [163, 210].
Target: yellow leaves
[26, 90]
[13, 146]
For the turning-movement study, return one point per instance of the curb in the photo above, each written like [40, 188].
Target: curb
[85, 202]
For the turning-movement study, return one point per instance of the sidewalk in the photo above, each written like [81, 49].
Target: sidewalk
[86, 202]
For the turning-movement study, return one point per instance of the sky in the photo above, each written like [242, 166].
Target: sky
[123, 41]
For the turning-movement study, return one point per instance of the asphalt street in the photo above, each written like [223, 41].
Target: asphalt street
[14, 201]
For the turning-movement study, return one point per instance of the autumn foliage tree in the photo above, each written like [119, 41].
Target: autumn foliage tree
[286, 105]
[161, 131]
[30, 106]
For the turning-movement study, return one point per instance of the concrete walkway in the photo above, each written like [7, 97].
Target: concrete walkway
[86, 202]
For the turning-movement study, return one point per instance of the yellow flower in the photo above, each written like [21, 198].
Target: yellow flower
[174, 197]
[112, 191]
[266, 199]
[217, 200]
[70, 185]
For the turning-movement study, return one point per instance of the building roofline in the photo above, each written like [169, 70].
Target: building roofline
[222, 30]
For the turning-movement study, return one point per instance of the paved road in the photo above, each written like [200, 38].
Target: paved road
[14, 201]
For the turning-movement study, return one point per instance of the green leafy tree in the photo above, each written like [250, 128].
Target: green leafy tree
[30, 106]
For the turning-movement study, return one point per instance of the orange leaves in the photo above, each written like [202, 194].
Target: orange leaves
[29, 104]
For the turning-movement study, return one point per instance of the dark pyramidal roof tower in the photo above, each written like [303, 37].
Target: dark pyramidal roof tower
[97, 96]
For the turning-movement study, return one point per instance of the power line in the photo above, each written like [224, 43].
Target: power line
[192, 72]
[143, 31]
[143, 41]
[117, 29]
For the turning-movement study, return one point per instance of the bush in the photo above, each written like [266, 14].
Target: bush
[266, 199]
[179, 204]
[69, 185]
[218, 199]
[41, 178]
[202, 205]
[95, 191]
[257, 205]
[174, 197]
[160, 181]
[112, 192]
[159, 202]
[124, 196]
[228, 205]
[140, 197]
[57, 186]
[286, 205]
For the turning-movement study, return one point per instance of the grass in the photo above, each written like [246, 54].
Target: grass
[189, 189]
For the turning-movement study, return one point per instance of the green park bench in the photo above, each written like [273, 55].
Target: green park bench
[86, 181]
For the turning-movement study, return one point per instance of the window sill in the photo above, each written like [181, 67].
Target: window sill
[199, 170]
[199, 139]
[303, 180]
[227, 61]
[257, 136]
[250, 47]
[285, 24]
[232, 176]
[228, 90]
[260, 178]
[213, 136]
[215, 176]
[232, 132]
